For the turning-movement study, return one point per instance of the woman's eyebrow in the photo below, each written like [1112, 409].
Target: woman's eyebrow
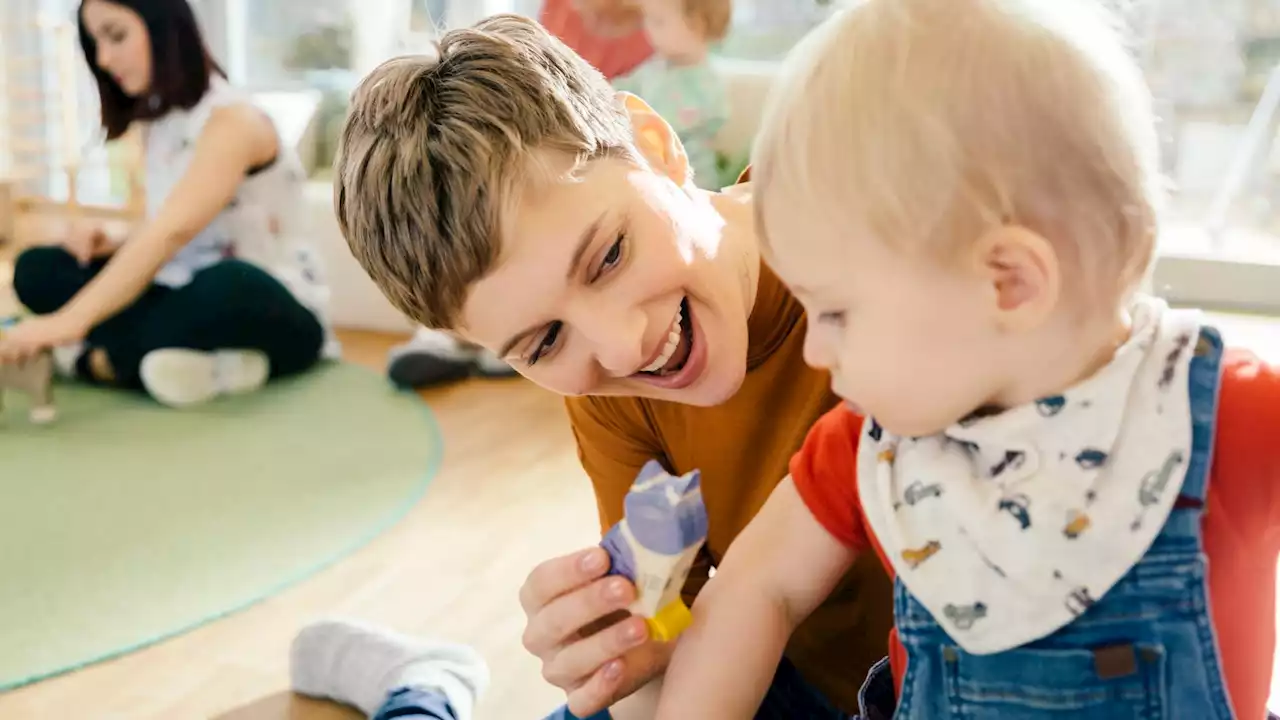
[575, 263]
[584, 244]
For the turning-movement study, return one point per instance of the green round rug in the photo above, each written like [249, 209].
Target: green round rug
[124, 522]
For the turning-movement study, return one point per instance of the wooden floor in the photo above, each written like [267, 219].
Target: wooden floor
[510, 493]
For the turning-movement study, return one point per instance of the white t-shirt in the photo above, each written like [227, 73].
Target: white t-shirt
[261, 225]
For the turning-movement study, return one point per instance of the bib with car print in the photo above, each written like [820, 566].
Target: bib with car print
[1008, 527]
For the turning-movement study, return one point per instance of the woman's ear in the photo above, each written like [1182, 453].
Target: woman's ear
[656, 140]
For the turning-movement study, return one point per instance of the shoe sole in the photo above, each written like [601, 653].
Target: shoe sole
[180, 377]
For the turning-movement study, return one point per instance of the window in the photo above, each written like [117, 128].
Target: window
[767, 29]
[278, 44]
[49, 122]
[1214, 69]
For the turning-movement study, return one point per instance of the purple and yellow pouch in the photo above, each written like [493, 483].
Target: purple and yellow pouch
[655, 544]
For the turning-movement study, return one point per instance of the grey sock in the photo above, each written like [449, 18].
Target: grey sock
[360, 664]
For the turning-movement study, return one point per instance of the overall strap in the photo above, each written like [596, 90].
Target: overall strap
[1205, 378]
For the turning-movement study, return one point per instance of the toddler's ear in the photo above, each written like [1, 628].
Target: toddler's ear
[1022, 270]
[656, 139]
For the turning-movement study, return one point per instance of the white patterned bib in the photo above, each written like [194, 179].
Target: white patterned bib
[1009, 527]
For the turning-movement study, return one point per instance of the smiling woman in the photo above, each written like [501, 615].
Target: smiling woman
[556, 221]
[217, 291]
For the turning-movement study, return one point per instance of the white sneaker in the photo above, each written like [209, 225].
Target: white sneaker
[179, 377]
[65, 358]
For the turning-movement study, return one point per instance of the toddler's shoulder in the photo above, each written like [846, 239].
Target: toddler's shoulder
[1250, 386]
[833, 439]
[1247, 437]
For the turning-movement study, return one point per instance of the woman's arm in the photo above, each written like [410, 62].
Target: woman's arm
[235, 139]
[777, 571]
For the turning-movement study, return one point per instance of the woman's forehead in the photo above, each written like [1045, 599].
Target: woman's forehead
[548, 232]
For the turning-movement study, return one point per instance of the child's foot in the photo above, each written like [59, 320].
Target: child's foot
[431, 358]
[66, 359]
[360, 665]
[43, 414]
[179, 377]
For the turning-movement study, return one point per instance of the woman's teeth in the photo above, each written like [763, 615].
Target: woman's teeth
[673, 342]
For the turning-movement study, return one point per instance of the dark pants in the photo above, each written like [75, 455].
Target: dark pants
[789, 696]
[415, 703]
[230, 305]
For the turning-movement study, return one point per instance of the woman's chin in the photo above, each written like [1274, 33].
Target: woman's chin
[719, 382]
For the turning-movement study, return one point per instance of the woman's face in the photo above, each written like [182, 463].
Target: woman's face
[622, 282]
[123, 44]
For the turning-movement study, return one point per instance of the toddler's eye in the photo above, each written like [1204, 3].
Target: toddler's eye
[831, 318]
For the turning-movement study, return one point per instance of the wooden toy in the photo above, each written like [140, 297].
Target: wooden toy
[34, 378]
[656, 543]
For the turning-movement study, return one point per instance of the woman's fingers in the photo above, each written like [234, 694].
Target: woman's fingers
[620, 678]
[558, 623]
[555, 577]
[573, 663]
[599, 691]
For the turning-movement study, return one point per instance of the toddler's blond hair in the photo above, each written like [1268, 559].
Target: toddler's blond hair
[923, 121]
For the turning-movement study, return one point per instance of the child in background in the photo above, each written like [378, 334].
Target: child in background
[606, 33]
[680, 82]
[1076, 487]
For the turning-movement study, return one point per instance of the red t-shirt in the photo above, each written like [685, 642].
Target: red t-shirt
[612, 56]
[1241, 521]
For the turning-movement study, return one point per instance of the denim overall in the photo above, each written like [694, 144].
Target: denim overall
[1145, 651]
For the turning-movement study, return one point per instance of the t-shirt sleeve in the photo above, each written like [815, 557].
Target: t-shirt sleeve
[824, 472]
[614, 441]
[1246, 458]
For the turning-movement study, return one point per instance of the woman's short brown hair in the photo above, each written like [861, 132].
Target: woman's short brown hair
[181, 65]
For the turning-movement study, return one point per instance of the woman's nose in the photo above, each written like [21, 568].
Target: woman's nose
[616, 335]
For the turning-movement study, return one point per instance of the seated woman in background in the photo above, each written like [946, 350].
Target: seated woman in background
[608, 34]
[214, 292]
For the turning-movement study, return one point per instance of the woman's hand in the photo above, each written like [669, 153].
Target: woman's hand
[87, 241]
[587, 647]
[32, 336]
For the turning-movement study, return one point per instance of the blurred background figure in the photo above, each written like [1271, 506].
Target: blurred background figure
[680, 81]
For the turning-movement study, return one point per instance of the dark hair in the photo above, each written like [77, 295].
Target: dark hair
[181, 65]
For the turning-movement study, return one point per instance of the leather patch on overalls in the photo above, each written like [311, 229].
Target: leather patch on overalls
[1116, 661]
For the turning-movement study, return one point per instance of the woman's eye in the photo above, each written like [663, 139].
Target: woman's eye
[548, 342]
[614, 254]
[831, 318]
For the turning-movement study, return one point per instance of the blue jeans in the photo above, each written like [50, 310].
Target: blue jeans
[1145, 650]
[418, 704]
[789, 697]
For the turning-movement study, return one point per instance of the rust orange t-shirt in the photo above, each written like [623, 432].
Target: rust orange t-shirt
[1241, 520]
[742, 448]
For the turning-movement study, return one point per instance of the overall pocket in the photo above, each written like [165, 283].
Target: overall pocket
[1119, 682]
